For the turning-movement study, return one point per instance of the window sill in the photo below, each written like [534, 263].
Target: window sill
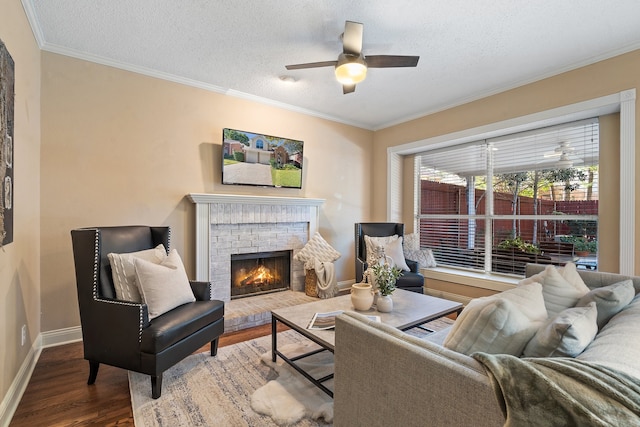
[494, 282]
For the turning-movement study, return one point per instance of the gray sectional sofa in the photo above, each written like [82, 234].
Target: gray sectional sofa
[386, 377]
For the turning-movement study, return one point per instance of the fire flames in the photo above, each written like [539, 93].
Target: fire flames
[259, 275]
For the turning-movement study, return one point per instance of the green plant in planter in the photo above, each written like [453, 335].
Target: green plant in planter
[581, 244]
[518, 244]
[385, 277]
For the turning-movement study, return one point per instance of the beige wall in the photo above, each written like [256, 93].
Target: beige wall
[600, 79]
[20, 260]
[123, 148]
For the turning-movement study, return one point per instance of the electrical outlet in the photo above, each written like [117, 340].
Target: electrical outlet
[24, 334]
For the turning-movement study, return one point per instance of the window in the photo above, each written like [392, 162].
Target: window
[493, 205]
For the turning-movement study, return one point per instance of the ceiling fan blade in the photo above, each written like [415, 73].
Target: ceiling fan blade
[352, 38]
[311, 65]
[348, 89]
[386, 61]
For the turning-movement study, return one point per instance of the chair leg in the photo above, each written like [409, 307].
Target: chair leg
[156, 386]
[93, 371]
[214, 347]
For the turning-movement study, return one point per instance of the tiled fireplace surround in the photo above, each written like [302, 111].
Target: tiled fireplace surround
[235, 224]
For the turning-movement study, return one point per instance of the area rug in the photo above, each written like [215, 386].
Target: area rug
[217, 391]
[213, 391]
[289, 398]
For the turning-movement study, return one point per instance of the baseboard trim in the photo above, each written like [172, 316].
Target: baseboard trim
[19, 385]
[61, 336]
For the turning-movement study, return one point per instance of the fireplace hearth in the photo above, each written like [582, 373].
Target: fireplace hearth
[259, 273]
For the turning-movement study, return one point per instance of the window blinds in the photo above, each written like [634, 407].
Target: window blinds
[540, 185]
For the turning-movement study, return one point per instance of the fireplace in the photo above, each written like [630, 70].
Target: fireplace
[259, 273]
[229, 224]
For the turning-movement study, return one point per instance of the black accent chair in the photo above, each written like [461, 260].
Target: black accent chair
[410, 280]
[119, 333]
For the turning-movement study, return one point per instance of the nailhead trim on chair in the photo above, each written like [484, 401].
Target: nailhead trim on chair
[96, 256]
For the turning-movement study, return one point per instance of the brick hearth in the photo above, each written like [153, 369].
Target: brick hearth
[243, 313]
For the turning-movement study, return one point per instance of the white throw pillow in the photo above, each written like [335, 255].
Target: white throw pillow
[393, 250]
[499, 324]
[566, 334]
[610, 300]
[372, 242]
[570, 273]
[392, 246]
[163, 286]
[124, 274]
[316, 249]
[558, 292]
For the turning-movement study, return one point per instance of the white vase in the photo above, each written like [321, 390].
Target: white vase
[361, 296]
[384, 304]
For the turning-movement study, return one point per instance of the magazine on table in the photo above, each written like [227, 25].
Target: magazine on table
[323, 321]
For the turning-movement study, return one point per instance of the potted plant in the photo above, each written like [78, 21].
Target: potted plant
[385, 277]
[581, 245]
[518, 244]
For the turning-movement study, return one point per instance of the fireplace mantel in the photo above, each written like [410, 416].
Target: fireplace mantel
[222, 210]
[204, 198]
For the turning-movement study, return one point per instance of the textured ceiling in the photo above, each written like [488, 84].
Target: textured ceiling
[468, 49]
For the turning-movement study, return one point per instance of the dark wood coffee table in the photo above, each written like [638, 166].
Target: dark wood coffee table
[410, 309]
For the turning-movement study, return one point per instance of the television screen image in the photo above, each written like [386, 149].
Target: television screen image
[262, 160]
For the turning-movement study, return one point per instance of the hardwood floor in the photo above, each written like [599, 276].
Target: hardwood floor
[58, 394]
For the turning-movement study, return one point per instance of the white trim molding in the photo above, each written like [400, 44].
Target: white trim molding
[61, 336]
[627, 181]
[253, 200]
[14, 394]
[394, 180]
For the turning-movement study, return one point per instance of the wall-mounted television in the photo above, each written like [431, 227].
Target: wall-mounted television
[261, 160]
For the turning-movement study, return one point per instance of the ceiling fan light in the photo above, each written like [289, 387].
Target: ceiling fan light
[350, 69]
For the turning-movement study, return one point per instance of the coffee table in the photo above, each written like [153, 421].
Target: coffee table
[410, 309]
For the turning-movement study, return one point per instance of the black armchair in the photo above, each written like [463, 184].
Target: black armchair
[119, 333]
[410, 280]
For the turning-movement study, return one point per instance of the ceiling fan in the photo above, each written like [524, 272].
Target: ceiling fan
[351, 65]
[563, 153]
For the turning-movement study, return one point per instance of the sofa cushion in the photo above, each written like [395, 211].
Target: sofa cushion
[501, 323]
[565, 334]
[609, 299]
[617, 345]
[561, 288]
[180, 323]
[163, 286]
[124, 274]
[570, 273]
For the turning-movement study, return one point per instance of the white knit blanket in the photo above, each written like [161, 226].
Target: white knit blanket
[327, 286]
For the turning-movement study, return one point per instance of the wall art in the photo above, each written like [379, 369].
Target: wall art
[7, 79]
